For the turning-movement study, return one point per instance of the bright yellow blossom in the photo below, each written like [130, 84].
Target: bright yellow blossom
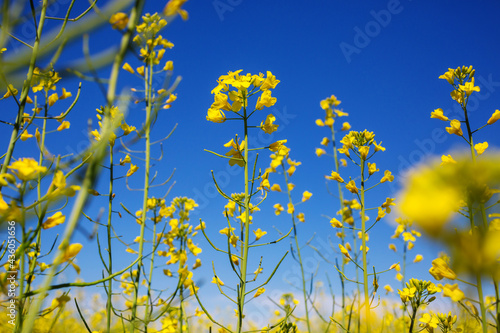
[455, 127]
[259, 233]
[25, 135]
[388, 177]
[266, 100]
[469, 87]
[216, 115]
[268, 125]
[133, 168]
[335, 176]
[351, 186]
[64, 125]
[494, 117]
[438, 114]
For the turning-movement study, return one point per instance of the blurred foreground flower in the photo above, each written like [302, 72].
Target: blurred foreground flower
[433, 193]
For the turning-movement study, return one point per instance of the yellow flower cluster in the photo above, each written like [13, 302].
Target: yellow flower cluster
[244, 86]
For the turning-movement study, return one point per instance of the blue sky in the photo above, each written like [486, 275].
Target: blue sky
[382, 59]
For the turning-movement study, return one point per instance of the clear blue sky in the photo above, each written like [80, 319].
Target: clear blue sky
[382, 59]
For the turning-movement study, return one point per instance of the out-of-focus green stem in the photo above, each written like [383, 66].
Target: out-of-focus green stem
[25, 91]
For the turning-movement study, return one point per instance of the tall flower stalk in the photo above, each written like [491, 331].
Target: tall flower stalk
[360, 144]
[238, 89]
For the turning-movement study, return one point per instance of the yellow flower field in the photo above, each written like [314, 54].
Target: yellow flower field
[101, 236]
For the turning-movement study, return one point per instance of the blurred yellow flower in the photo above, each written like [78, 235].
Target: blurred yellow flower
[440, 270]
[173, 7]
[345, 126]
[56, 219]
[278, 209]
[71, 251]
[27, 169]
[335, 223]
[320, 151]
[447, 159]
[344, 251]
[418, 258]
[128, 68]
[306, 196]
[119, 21]
[481, 147]
[276, 188]
[320, 122]
[301, 217]
[453, 292]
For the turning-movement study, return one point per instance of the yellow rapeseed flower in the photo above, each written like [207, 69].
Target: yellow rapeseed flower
[438, 114]
[455, 127]
[494, 117]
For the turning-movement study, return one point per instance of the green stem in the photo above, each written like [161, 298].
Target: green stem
[363, 241]
[244, 261]
[405, 249]
[484, 224]
[149, 311]
[304, 290]
[341, 199]
[110, 257]
[148, 75]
